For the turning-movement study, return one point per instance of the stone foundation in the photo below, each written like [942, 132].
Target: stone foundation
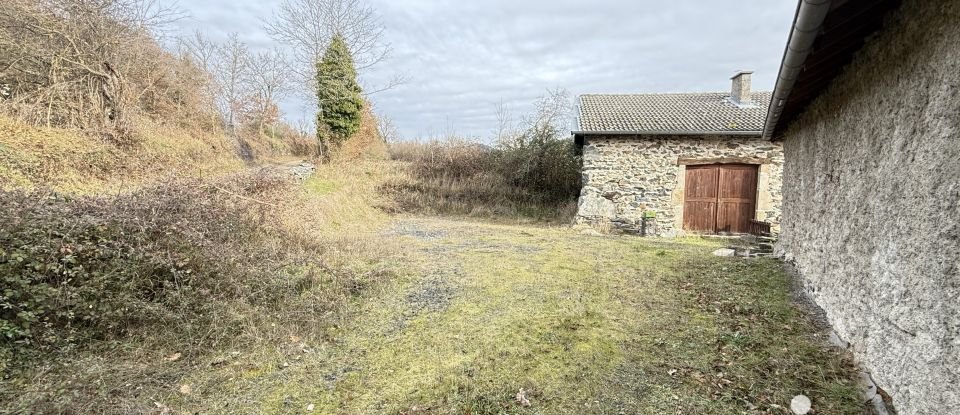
[628, 178]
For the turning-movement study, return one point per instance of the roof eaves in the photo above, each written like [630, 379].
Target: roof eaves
[826, 36]
[806, 25]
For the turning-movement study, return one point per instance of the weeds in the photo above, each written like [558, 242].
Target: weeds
[72, 161]
[539, 181]
[531, 173]
[114, 286]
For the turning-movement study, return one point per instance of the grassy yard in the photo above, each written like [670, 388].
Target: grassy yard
[420, 315]
[490, 319]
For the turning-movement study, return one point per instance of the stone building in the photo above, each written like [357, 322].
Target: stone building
[670, 164]
[867, 106]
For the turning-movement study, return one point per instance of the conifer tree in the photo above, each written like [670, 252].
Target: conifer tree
[338, 94]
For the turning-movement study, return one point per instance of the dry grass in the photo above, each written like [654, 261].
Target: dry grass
[458, 177]
[72, 161]
[76, 162]
[250, 267]
[585, 325]
[440, 317]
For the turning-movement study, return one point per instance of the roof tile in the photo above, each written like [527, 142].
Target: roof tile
[710, 112]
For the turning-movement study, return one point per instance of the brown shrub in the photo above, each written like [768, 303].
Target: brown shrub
[461, 177]
[188, 254]
[366, 143]
[93, 65]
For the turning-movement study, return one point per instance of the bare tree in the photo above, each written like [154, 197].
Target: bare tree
[231, 69]
[201, 49]
[308, 26]
[203, 53]
[549, 121]
[387, 129]
[81, 63]
[505, 126]
[553, 110]
[245, 86]
[268, 77]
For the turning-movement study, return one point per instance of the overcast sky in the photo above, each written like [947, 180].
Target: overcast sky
[461, 58]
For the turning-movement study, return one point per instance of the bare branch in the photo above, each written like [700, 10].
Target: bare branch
[309, 25]
[87, 63]
[394, 82]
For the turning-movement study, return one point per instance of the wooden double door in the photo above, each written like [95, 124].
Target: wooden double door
[720, 198]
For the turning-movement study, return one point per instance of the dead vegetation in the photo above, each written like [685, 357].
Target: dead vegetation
[111, 300]
[93, 65]
[456, 177]
[531, 173]
[93, 74]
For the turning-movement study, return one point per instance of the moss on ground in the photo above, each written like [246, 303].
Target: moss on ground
[581, 324]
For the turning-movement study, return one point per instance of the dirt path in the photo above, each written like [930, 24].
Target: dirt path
[511, 319]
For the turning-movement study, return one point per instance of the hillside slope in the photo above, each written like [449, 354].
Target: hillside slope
[78, 162]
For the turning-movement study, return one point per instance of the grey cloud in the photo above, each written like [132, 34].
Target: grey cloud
[462, 58]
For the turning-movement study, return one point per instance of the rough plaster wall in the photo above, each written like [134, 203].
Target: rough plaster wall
[624, 177]
[871, 211]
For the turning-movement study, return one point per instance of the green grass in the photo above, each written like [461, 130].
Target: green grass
[581, 324]
[322, 186]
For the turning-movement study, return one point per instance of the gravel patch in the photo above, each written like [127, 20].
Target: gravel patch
[303, 171]
[433, 294]
[413, 230]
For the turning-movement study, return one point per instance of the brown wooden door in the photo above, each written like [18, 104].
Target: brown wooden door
[720, 198]
[700, 199]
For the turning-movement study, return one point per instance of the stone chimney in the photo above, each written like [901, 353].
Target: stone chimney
[741, 88]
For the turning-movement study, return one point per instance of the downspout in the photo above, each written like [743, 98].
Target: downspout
[806, 26]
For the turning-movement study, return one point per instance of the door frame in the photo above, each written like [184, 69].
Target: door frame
[683, 163]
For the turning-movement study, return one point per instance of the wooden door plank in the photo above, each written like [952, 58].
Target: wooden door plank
[736, 198]
[700, 198]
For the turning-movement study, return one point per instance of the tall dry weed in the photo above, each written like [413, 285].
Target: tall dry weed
[461, 177]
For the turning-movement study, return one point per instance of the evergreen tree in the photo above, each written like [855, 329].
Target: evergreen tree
[338, 93]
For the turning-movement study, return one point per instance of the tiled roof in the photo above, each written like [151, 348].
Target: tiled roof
[710, 112]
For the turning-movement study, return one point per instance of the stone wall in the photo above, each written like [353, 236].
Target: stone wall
[626, 177]
[871, 212]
